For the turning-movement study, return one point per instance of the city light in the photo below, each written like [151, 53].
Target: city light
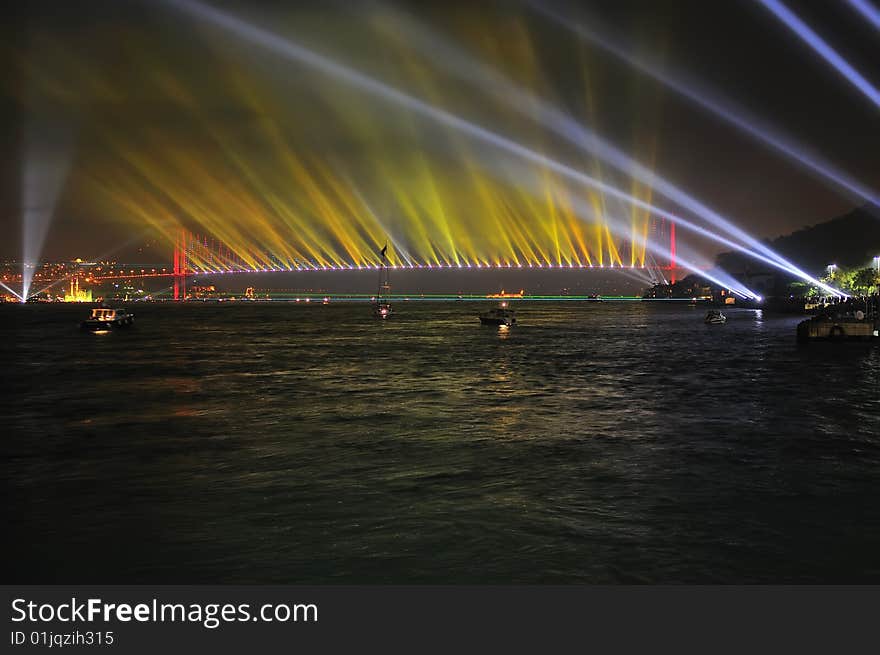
[16, 294]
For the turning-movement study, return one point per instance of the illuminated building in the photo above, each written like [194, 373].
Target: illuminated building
[76, 294]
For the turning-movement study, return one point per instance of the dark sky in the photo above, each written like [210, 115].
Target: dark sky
[740, 50]
[89, 70]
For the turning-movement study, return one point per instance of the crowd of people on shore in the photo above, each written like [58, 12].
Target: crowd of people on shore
[858, 307]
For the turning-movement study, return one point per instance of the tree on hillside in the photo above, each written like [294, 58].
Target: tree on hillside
[865, 281]
[855, 281]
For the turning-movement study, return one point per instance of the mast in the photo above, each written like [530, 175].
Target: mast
[384, 285]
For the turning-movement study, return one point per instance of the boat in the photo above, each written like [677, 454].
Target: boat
[499, 316]
[382, 304]
[855, 326]
[106, 318]
[715, 317]
[505, 294]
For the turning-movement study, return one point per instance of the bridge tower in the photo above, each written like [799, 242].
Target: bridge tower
[672, 251]
[180, 266]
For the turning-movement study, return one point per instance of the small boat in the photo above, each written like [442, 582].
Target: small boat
[499, 316]
[105, 318]
[715, 317]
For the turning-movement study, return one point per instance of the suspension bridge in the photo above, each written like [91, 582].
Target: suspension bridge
[200, 255]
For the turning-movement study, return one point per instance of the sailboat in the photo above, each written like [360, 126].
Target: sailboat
[382, 306]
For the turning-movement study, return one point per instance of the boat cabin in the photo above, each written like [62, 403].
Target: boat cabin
[106, 314]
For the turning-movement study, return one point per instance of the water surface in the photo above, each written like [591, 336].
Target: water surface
[595, 442]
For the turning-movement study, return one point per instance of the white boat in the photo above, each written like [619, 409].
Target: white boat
[499, 316]
[715, 317]
[105, 318]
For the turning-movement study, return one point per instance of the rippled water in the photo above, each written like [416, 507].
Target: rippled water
[595, 442]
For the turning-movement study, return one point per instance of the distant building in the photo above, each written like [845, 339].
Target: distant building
[202, 291]
[76, 294]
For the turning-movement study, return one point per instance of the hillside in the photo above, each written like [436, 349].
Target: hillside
[850, 240]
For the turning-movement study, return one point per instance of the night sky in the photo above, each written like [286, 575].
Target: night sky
[117, 84]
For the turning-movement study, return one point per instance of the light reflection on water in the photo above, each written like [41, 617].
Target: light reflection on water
[287, 442]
